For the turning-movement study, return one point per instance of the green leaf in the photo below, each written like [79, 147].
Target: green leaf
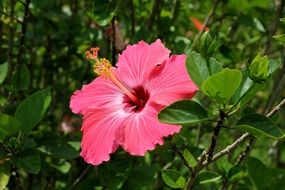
[280, 37]
[258, 173]
[221, 86]
[8, 125]
[191, 161]
[21, 79]
[173, 179]
[53, 145]
[32, 109]
[214, 66]
[59, 150]
[103, 11]
[259, 125]
[29, 160]
[3, 70]
[274, 64]
[4, 175]
[208, 177]
[183, 112]
[197, 68]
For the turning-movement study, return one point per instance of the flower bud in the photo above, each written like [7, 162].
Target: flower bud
[258, 69]
[206, 45]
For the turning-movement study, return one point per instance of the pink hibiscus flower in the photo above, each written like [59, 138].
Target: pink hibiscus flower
[120, 107]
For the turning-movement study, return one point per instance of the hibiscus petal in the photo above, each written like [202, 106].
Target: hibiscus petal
[170, 82]
[100, 92]
[137, 61]
[99, 134]
[142, 131]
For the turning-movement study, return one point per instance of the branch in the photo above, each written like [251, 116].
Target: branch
[77, 180]
[274, 23]
[231, 147]
[206, 22]
[155, 10]
[276, 108]
[207, 155]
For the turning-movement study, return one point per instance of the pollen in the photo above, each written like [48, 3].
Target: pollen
[102, 67]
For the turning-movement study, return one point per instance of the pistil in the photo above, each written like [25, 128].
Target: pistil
[103, 67]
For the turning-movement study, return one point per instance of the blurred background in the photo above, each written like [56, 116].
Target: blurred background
[42, 46]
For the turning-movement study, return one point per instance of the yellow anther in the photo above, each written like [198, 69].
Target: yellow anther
[102, 67]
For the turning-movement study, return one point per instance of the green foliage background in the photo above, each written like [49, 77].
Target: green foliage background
[42, 62]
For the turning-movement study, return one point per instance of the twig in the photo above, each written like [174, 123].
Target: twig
[243, 155]
[133, 20]
[154, 12]
[207, 155]
[231, 147]
[274, 23]
[276, 108]
[77, 180]
[206, 22]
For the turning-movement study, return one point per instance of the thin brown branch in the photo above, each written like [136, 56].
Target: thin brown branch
[133, 19]
[234, 145]
[230, 147]
[155, 11]
[279, 4]
[206, 22]
[79, 178]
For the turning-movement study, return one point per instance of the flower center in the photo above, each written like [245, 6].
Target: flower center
[142, 94]
[102, 67]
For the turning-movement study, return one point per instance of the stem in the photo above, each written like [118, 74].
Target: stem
[207, 155]
[133, 20]
[77, 180]
[206, 22]
[233, 146]
[230, 147]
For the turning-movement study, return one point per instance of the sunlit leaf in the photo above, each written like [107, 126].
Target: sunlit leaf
[4, 175]
[221, 86]
[3, 69]
[191, 161]
[173, 179]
